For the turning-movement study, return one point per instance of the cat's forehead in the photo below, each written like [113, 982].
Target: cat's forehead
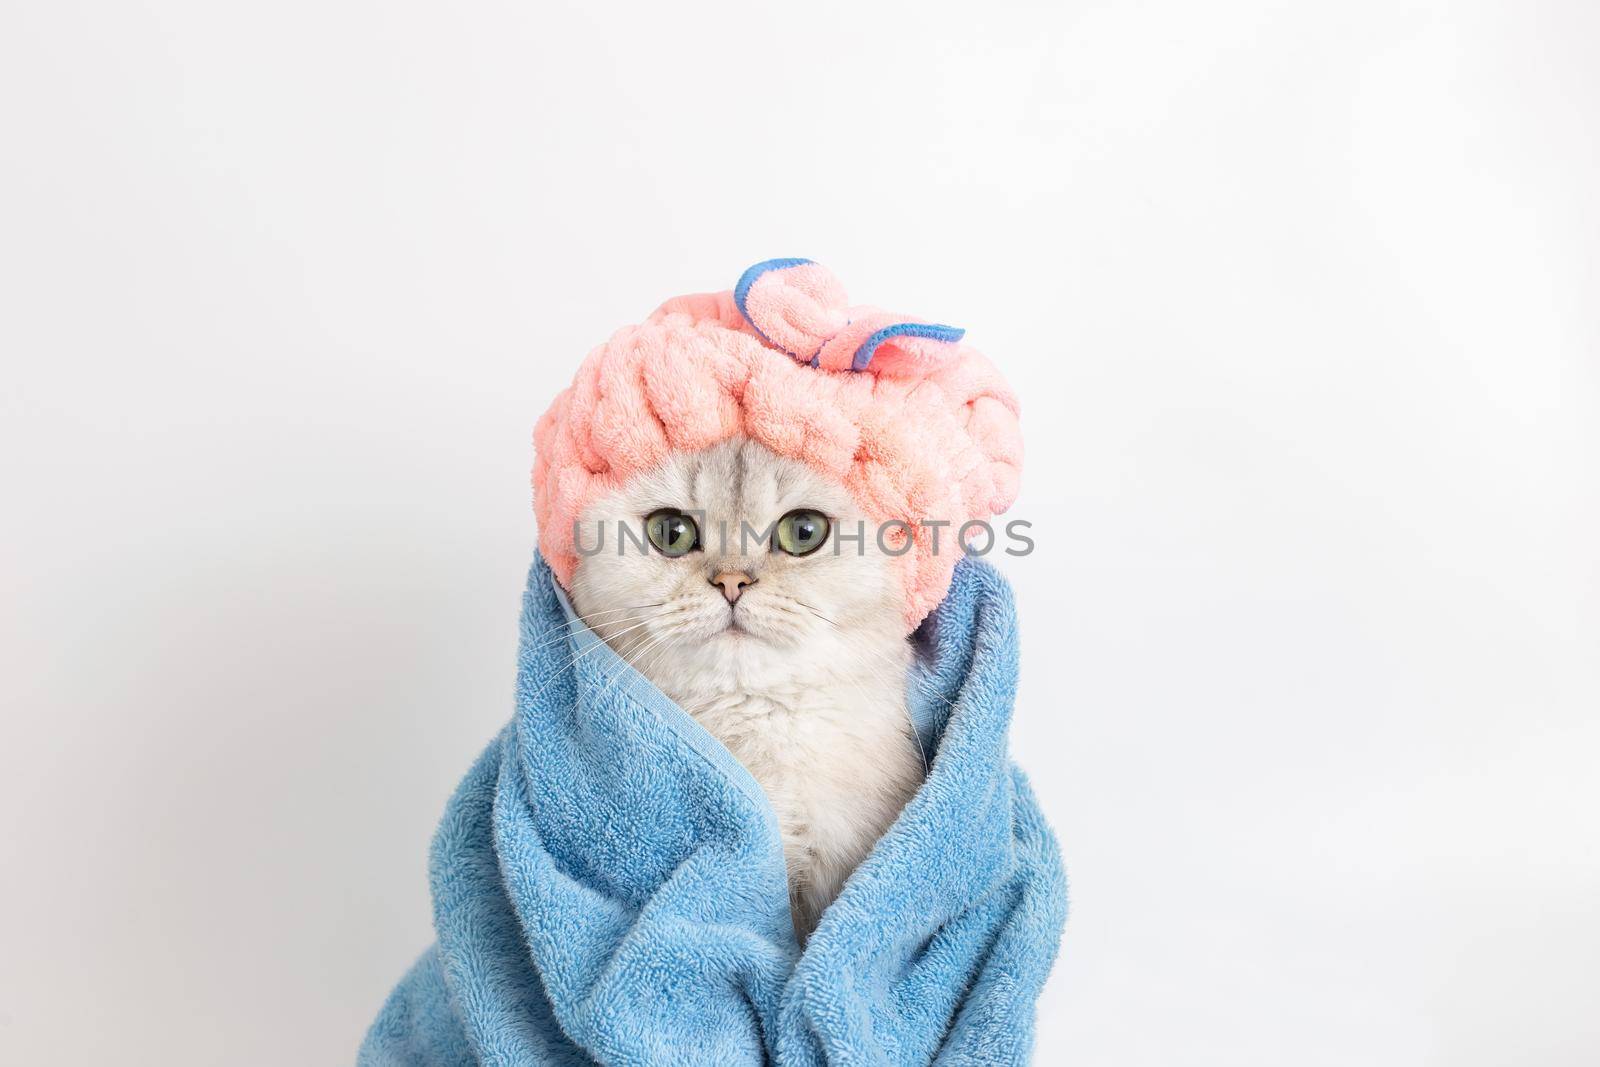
[739, 476]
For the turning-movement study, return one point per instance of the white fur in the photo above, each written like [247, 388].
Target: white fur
[803, 679]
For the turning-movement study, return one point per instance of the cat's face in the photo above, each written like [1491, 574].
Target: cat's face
[744, 579]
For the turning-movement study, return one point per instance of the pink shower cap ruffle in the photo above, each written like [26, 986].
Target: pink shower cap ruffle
[918, 427]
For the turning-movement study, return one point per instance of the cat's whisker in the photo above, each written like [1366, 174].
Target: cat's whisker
[817, 612]
[629, 625]
[912, 678]
[899, 674]
[916, 738]
[583, 618]
[661, 649]
[650, 643]
[616, 674]
[564, 634]
[915, 734]
[625, 650]
[564, 630]
[573, 661]
[609, 611]
[618, 634]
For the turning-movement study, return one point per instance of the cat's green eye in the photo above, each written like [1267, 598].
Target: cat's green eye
[672, 532]
[801, 532]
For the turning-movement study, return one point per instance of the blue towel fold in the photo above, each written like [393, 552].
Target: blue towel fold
[609, 885]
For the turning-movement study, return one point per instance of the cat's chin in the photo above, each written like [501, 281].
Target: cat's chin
[738, 635]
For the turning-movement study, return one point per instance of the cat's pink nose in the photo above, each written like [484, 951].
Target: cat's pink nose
[733, 583]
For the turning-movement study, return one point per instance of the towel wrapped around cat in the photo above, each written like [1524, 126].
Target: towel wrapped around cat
[609, 885]
[816, 849]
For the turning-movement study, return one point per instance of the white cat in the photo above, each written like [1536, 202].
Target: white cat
[785, 642]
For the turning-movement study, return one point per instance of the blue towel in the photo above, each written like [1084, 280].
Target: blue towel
[609, 886]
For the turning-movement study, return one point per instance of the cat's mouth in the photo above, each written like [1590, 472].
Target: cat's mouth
[741, 627]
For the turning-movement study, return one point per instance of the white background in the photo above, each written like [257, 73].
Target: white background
[1301, 303]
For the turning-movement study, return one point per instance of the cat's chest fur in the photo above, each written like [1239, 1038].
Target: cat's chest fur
[837, 760]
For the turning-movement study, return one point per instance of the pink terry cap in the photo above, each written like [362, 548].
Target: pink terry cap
[917, 426]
